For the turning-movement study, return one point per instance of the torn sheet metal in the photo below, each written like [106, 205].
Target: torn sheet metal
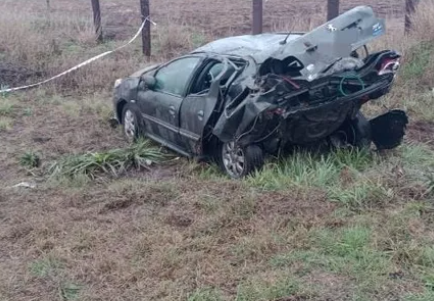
[333, 40]
[316, 105]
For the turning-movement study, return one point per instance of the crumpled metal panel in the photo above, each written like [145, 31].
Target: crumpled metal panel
[259, 47]
[317, 50]
[333, 40]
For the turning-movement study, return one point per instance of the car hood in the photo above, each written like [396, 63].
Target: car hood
[326, 44]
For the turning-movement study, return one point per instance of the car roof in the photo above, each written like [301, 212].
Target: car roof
[257, 46]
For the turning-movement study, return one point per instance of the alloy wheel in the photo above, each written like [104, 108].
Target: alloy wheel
[233, 159]
[129, 125]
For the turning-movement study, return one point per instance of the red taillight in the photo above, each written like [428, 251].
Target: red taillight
[389, 66]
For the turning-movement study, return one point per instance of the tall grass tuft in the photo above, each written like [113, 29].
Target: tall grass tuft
[139, 155]
[30, 160]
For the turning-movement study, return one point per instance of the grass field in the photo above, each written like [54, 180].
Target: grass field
[347, 226]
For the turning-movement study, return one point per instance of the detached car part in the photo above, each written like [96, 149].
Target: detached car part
[236, 99]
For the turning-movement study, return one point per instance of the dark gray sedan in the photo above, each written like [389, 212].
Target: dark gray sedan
[238, 98]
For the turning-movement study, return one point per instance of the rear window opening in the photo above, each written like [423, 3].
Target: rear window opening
[290, 66]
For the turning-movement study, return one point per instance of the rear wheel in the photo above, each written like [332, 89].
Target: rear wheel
[239, 162]
[355, 133]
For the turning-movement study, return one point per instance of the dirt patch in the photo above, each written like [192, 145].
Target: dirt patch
[422, 131]
[15, 75]
[312, 204]
[97, 232]
[333, 287]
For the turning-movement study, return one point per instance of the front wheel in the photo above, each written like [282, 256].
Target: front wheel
[131, 122]
[239, 162]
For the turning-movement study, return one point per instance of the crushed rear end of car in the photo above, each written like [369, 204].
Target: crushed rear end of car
[314, 87]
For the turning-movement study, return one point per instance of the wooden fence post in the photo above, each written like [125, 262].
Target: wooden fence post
[332, 9]
[410, 9]
[48, 11]
[146, 32]
[258, 9]
[97, 19]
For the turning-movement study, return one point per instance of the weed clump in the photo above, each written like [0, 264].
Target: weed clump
[139, 155]
[30, 160]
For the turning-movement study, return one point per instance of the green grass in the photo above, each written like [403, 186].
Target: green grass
[420, 104]
[4, 87]
[6, 106]
[363, 193]
[69, 291]
[30, 160]
[261, 289]
[418, 161]
[205, 294]
[419, 61]
[5, 123]
[309, 170]
[417, 154]
[28, 111]
[51, 269]
[426, 296]
[139, 155]
[71, 108]
[346, 252]
[44, 267]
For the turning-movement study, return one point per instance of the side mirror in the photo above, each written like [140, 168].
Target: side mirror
[149, 81]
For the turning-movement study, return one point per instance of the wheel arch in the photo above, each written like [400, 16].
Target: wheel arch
[119, 109]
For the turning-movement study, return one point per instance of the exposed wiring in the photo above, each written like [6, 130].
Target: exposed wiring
[341, 88]
[288, 80]
[269, 134]
[249, 131]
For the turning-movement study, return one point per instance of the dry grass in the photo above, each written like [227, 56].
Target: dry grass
[344, 227]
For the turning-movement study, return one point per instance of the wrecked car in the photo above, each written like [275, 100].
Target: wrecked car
[239, 98]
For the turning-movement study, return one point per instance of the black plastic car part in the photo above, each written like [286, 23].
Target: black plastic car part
[388, 130]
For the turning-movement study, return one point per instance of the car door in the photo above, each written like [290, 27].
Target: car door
[201, 101]
[160, 106]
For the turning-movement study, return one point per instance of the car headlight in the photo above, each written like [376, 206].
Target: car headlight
[118, 82]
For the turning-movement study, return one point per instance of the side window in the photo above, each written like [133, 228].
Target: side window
[173, 78]
[209, 75]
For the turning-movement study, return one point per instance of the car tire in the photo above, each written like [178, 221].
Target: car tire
[238, 162]
[131, 123]
[355, 132]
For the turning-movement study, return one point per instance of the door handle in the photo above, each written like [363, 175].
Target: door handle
[172, 110]
[200, 115]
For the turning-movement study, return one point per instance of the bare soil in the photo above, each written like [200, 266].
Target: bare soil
[122, 242]
[13, 76]
[422, 131]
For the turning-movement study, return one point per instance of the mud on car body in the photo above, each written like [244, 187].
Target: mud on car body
[239, 98]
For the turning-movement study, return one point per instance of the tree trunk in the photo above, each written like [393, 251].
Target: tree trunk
[410, 9]
[257, 25]
[332, 9]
